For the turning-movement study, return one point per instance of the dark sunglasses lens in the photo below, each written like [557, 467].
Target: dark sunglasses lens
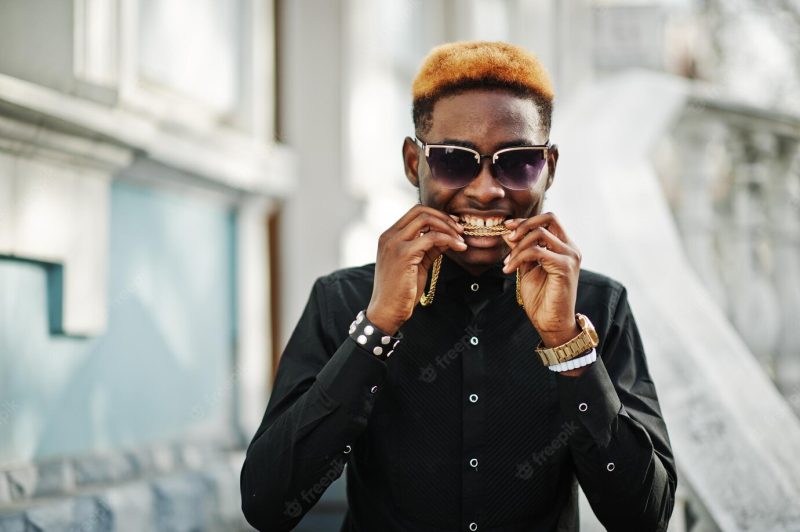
[519, 169]
[451, 167]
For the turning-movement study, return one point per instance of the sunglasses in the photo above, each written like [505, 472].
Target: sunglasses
[516, 168]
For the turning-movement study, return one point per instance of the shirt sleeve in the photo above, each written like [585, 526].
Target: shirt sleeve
[320, 403]
[620, 449]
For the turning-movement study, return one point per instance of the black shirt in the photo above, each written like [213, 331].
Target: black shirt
[462, 428]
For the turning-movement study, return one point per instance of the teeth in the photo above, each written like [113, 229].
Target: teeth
[477, 221]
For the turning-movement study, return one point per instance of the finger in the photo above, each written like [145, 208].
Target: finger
[430, 256]
[409, 215]
[433, 239]
[427, 222]
[510, 243]
[551, 261]
[550, 222]
[418, 210]
[555, 226]
[522, 226]
[446, 217]
[543, 237]
[434, 251]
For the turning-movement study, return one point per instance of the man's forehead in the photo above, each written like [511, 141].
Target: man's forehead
[481, 117]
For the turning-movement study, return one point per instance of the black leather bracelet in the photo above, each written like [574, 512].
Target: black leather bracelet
[373, 339]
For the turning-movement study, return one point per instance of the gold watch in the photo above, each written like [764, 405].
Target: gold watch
[585, 341]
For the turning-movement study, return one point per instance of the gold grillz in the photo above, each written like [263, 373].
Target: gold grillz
[481, 230]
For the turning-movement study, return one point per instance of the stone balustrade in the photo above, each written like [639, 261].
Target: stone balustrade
[731, 174]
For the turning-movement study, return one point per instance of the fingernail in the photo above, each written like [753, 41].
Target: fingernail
[460, 238]
[512, 233]
[505, 260]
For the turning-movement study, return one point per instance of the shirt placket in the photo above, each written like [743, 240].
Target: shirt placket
[473, 419]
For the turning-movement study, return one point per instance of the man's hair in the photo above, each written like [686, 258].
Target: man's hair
[457, 67]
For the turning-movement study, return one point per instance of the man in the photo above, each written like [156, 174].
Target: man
[433, 372]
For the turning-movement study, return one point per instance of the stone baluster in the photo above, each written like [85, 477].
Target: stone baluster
[786, 227]
[701, 149]
[754, 308]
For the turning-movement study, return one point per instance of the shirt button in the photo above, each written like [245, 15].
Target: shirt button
[473, 398]
[373, 389]
[474, 287]
[474, 340]
[473, 526]
[583, 407]
[473, 462]
[610, 466]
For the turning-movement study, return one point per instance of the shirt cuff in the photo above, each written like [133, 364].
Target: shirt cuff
[591, 400]
[352, 376]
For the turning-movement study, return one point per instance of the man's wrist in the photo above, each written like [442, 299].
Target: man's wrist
[556, 346]
[554, 339]
[382, 323]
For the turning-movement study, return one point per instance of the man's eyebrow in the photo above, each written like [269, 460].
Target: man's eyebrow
[506, 144]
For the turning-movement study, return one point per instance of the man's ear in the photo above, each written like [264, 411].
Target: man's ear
[411, 161]
[552, 161]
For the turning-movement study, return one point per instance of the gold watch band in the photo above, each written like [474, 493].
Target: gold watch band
[585, 341]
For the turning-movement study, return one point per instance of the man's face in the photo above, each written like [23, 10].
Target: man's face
[484, 120]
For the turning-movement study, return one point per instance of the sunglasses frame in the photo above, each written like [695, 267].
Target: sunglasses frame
[479, 156]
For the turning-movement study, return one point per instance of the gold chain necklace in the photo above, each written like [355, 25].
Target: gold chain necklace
[474, 230]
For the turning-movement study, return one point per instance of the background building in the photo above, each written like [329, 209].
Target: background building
[138, 171]
[174, 174]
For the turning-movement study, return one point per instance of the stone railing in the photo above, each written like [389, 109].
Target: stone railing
[731, 174]
[170, 487]
[690, 202]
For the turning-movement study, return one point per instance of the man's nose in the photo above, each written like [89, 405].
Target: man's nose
[485, 188]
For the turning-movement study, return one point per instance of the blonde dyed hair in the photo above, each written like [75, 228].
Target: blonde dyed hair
[459, 66]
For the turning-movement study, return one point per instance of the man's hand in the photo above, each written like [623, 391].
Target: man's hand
[406, 252]
[549, 264]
